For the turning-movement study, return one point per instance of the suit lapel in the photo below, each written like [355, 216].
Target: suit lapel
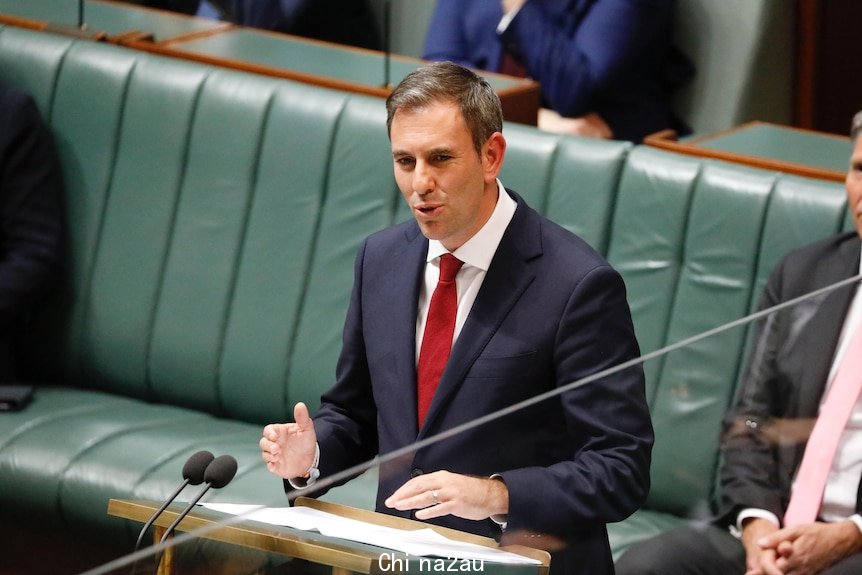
[824, 329]
[508, 276]
[401, 292]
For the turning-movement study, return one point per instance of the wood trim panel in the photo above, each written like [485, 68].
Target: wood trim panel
[308, 547]
[667, 141]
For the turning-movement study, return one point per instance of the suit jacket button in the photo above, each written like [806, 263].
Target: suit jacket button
[416, 472]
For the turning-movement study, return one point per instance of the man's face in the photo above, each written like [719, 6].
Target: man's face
[450, 188]
[854, 185]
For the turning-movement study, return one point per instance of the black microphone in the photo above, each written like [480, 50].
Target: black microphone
[218, 474]
[193, 474]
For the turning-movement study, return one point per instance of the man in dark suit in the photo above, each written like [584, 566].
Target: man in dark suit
[30, 218]
[796, 356]
[341, 21]
[606, 67]
[536, 309]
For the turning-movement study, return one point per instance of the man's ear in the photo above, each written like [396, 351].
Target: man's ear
[493, 153]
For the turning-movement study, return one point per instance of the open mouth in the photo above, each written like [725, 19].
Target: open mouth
[427, 210]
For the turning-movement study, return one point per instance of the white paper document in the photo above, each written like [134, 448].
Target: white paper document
[420, 543]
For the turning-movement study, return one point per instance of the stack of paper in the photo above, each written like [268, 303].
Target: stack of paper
[421, 543]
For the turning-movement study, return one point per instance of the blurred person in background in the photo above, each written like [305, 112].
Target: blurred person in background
[349, 22]
[31, 228]
[606, 67]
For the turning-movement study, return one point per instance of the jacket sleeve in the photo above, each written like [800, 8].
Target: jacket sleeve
[749, 467]
[445, 39]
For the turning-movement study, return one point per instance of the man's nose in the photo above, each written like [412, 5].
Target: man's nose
[423, 179]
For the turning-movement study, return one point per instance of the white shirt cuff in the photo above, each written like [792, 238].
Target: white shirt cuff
[857, 519]
[751, 513]
[503, 519]
[507, 19]
[310, 476]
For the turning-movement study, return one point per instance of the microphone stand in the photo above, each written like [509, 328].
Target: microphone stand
[387, 10]
[79, 30]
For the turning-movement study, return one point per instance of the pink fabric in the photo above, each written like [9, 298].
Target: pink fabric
[820, 450]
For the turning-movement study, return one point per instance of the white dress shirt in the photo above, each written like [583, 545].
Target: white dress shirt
[507, 19]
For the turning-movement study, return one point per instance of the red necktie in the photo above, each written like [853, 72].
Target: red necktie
[439, 331]
[822, 444]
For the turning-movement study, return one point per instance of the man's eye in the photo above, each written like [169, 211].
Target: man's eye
[441, 158]
[404, 162]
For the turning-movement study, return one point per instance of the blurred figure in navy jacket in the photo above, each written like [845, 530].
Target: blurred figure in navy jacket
[341, 21]
[606, 67]
[30, 217]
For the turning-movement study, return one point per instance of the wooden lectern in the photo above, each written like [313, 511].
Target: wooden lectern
[343, 556]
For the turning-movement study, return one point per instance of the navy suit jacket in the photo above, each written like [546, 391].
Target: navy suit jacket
[550, 311]
[341, 21]
[612, 57]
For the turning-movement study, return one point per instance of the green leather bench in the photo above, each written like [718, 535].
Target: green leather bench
[213, 221]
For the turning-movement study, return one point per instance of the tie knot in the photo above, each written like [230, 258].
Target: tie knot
[449, 266]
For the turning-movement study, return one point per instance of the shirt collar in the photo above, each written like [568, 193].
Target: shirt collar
[479, 250]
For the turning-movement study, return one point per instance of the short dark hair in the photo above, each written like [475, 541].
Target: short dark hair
[479, 103]
[856, 126]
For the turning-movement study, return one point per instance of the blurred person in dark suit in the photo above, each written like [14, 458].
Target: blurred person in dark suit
[30, 218]
[349, 22]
